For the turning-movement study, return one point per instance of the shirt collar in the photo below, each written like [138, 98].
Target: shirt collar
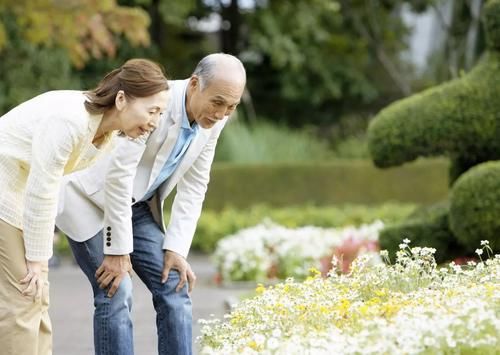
[185, 118]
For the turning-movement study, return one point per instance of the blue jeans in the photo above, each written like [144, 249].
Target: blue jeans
[112, 321]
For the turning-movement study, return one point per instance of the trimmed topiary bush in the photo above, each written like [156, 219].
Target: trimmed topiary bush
[461, 120]
[475, 206]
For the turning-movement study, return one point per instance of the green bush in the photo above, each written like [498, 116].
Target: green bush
[213, 225]
[475, 206]
[427, 227]
[456, 119]
[329, 183]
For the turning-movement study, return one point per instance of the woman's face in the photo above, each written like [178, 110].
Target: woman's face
[139, 115]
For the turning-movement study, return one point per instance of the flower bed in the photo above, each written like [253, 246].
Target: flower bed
[269, 251]
[411, 307]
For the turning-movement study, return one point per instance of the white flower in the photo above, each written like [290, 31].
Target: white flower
[406, 241]
[259, 338]
[420, 308]
[479, 251]
[273, 343]
[276, 333]
[484, 242]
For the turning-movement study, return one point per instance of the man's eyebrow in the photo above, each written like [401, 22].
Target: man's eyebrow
[220, 98]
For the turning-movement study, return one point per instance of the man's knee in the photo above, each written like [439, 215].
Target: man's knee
[122, 297]
[177, 302]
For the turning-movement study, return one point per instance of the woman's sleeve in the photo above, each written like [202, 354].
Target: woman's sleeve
[52, 145]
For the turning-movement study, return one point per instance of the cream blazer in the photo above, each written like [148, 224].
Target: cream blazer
[41, 140]
[101, 196]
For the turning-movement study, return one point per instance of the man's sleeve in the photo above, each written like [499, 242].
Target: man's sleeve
[188, 201]
[118, 190]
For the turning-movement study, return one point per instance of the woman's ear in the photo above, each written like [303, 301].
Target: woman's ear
[120, 100]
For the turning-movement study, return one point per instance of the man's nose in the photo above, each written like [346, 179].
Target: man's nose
[219, 114]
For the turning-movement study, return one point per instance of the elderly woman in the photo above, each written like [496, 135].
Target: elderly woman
[41, 140]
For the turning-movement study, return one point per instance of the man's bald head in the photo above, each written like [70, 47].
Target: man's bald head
[220, 66]
[215, 89]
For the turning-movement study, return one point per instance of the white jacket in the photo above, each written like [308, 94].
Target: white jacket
[40, 140]
[101, 196]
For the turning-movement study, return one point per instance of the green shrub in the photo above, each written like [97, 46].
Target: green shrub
[459, 118]
[426, 227]
[475, 206]
[328, 183]
[213, 225]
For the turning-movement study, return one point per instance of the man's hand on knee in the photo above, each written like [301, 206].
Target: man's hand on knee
[112, 270]
[172, 260]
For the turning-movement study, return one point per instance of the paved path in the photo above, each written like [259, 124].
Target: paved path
[71, 308]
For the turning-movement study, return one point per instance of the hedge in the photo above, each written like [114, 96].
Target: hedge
[329, 183]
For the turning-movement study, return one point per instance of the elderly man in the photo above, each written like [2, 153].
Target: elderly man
[108, 237]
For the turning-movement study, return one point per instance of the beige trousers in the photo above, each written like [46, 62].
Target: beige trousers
[25, 327]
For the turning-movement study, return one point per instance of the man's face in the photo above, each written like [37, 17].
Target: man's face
[210, 105]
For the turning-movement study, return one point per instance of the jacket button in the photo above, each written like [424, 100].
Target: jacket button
[133, 200]
[108, 239]
[109, 228]
[108, 233]
[108, 244]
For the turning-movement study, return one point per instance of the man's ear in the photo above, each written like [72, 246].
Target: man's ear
[120, 100]
[194, 82]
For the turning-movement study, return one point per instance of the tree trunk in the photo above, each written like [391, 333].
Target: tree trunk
[230, 28]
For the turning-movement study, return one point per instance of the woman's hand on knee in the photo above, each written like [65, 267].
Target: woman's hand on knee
[33, 279]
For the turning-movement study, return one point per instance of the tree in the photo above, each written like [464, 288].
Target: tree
[44, 42]
[319, 59]
[84, 28]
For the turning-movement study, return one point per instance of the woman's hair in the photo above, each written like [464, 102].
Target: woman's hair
[137, 78]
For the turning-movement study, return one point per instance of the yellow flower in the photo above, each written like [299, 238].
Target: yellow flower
[364, 310]
[314, 272]
[381, 292]
[260, 289]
